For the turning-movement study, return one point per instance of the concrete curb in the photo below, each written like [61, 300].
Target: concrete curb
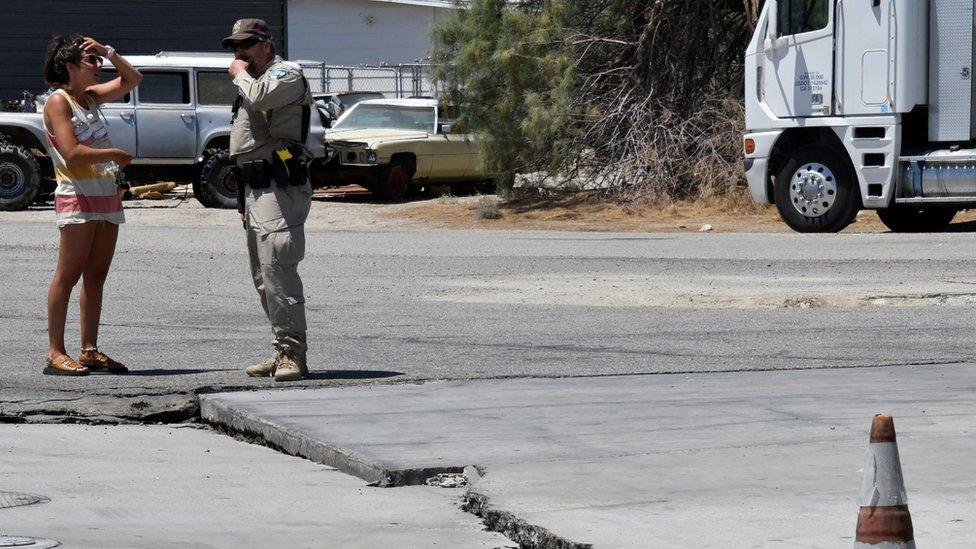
[289, 441]
[295, 443]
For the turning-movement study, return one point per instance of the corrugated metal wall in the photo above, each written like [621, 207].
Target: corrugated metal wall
[352, 32]
[132, 27]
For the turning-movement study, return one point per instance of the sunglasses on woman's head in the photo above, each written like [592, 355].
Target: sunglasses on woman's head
[92, 59]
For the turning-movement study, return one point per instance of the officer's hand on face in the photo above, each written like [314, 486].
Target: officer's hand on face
[237, 66]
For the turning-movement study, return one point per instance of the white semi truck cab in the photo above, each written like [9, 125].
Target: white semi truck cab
[855, 104]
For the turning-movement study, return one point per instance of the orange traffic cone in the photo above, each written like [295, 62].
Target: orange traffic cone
[884, 520]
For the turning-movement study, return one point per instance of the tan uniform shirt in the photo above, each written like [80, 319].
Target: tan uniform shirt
[271, 109]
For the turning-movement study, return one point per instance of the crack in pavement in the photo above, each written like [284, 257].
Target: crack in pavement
[250, 428]
[187, 406]
[514, 528]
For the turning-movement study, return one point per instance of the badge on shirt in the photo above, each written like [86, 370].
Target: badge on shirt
[278, 74]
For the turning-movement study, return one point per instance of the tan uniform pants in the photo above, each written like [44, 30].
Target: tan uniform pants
[275, 222]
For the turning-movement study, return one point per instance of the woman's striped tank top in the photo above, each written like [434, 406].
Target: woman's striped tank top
[84, 193]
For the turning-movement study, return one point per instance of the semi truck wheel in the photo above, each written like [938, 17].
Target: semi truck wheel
[916, 219]
[218, 184]
[816, 190]
[20, 177]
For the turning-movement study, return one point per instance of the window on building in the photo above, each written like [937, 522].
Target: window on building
[799, 16]
[215, 88]
[165, 88]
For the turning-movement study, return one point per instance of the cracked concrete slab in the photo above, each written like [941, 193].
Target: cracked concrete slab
[152, 487]
[746, 459]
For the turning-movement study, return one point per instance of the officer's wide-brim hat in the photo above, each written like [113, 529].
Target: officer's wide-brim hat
[246, 29]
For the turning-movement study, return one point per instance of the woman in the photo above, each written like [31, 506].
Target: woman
[87, 200]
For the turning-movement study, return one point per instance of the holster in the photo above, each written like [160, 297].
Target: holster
[256, 174]
[290, 166]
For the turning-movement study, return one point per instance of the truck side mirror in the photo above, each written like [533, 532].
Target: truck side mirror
[446, 128]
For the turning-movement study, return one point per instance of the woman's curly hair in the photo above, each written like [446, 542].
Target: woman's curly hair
[60, 52]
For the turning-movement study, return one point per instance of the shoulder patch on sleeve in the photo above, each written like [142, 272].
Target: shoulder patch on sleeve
[278, 74]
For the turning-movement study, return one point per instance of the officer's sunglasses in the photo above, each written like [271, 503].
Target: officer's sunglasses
[248, 44]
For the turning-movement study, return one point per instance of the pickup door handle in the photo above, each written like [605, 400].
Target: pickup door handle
[186, 116]
[125, 116]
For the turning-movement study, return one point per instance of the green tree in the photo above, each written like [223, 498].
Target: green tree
[641, 96]
[510, 71]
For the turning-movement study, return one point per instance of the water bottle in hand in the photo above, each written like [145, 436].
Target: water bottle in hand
[107, 169]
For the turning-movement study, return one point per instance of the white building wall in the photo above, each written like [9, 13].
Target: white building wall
[352, 32]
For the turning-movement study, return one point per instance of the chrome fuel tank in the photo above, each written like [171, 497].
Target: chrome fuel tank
[935, 180]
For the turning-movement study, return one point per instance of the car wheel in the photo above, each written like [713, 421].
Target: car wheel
[20, 178]
[394, 181]
[817, 190]
[916, 219]
[218, 182]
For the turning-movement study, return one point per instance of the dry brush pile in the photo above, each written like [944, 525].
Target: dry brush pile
[642, 98]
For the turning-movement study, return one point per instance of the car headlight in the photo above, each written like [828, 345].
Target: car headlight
[371, 157]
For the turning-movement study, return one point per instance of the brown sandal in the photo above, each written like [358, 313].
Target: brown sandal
[64, 366]
[97, 361]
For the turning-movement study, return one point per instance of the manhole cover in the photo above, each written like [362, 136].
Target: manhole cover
[29, 543]
[15, 499]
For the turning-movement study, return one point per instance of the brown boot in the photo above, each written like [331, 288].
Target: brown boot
[288, 368]
[264, 369]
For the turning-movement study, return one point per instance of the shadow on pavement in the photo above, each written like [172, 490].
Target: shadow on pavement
[352, 374]
[963, 227]
[169, 372]
[354, 194]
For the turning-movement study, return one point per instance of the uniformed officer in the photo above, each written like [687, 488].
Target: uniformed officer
[271, 118]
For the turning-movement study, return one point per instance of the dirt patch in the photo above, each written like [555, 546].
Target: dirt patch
[591, 211]
[354, 208]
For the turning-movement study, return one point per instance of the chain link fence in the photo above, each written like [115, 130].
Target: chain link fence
[408, 80]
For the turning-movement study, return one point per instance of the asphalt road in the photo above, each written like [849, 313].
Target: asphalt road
[393, 305]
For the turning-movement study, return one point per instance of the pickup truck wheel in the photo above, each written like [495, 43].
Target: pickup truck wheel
[817, 190]
[394, 181]
[201, 196]
[916, 219]
[20, 178]
[218, 183]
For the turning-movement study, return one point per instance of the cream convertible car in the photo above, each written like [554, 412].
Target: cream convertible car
[392, 145]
